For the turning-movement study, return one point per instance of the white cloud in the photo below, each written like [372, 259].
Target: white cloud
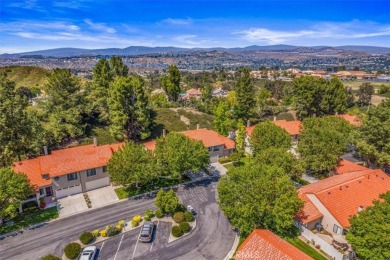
[99, 26]
[330, 30]
[177, 21]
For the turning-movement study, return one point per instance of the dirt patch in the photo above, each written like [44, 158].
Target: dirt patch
[376, 100]
[185, 120]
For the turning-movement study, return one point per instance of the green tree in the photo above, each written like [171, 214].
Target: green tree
[15, 125]
[222, 122]
[159, 101]
[167, 202]
[350, 97]
[259, 196]
[241, 133]
[318, 97]
[245, 93]
[177, 154]
[283, 159]
[62, 107]
[128, 109]
[171, 83]
[101, 80]
[322, 141]
[266, 135]
[370, 229]
[374, 138]
[14, 187]
[365, 92]
[131, 165]
[117, 67]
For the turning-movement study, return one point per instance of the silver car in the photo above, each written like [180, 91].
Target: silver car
[146, 232]
[88, 253]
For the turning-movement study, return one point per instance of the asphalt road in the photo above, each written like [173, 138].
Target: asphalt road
[211, 239]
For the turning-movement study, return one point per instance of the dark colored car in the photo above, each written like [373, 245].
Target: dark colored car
[146, 232]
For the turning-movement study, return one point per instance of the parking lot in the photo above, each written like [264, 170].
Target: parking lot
[127, 246]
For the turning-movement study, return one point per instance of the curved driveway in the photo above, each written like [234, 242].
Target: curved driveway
[212, 238]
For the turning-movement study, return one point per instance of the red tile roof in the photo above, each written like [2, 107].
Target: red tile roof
[65, 161]
[345, 166]
[249, 130]
[292, 127]
[262, 244]
[193, 91]
[150, 145]
[342, 194]
[210, 138]
[354, 120]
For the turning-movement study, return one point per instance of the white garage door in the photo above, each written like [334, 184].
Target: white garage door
[90, 185]
[214, 159]
[68, 191]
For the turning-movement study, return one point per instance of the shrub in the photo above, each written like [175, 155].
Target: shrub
[95, 233]
[224, 160]
[118, 227]
[72, 250]
[178, 217]
[188, 217]
[134, 223]
[50, 257]
[121, 222]
[29, 206]
[180, 208]
[176, 231]
[185, 227]
[103, 233]
[112, 231]
[149, 213]
[147, 218]
[137, 218]
[159, 213]
[86, 238]
[107, 227]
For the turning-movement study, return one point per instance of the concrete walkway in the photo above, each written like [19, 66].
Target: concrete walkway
[71, 205]
[102, 196]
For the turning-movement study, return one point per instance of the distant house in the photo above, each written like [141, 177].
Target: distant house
[331, 202]
[218, 145]
[158, 91]
[354, 120]
[351, 74]
[68, 171]
[291, 127]
[220, 92]
[192, 93]
[262, 244]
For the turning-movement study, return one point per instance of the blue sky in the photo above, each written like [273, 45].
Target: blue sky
[27, 25]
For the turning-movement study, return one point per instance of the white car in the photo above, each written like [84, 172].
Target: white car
[89, 253]
[190, 209]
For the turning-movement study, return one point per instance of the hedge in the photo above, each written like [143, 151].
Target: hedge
[50, 257]
[86, 238]
[72, 250]
[159, 213]
[178, 217]
[176, 231]
[188, 217]
[112, 231]
[185, 227]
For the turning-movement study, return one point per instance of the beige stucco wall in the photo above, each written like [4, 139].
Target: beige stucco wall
[328, 221]
[220, 152]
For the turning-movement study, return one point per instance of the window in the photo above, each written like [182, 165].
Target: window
[336, 229]
[91, 172]
[104, 168]
[210, 149]
[72, 176]
[215, 148]
[41, 192]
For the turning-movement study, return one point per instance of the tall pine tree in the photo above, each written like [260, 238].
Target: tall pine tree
[171, 83]
[245, 93]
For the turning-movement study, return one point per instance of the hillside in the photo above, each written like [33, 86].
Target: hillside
[26, 76]
[177, 119]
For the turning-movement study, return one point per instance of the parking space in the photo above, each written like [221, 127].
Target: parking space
[127, 246]
[71, 205]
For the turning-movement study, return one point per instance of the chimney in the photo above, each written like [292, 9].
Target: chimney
[197, 126]
[274, 118]
[45, 150]
[360, 208]
[164, 132]
[248, 123]
[95, 141]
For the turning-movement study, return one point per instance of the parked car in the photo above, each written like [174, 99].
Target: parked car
[146, 232]
[190, 209]
[88, 253]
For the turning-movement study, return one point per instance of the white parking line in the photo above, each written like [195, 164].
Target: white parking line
[136, 244]
[119, 246]
[158, 222]
[100, 251]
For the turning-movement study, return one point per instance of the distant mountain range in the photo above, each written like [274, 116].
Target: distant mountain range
[139, 50]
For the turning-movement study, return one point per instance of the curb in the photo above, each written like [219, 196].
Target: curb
[234, 248]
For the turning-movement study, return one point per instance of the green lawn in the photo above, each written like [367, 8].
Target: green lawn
[306, 248]
[26, 219]
[124, 192]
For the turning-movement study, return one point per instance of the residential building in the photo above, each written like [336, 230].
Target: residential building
[220, 92]
[262, 244]
[68, 171]
[329, 203]
[217, 145]
[353, 120]
[192, 93]
[291, 127]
